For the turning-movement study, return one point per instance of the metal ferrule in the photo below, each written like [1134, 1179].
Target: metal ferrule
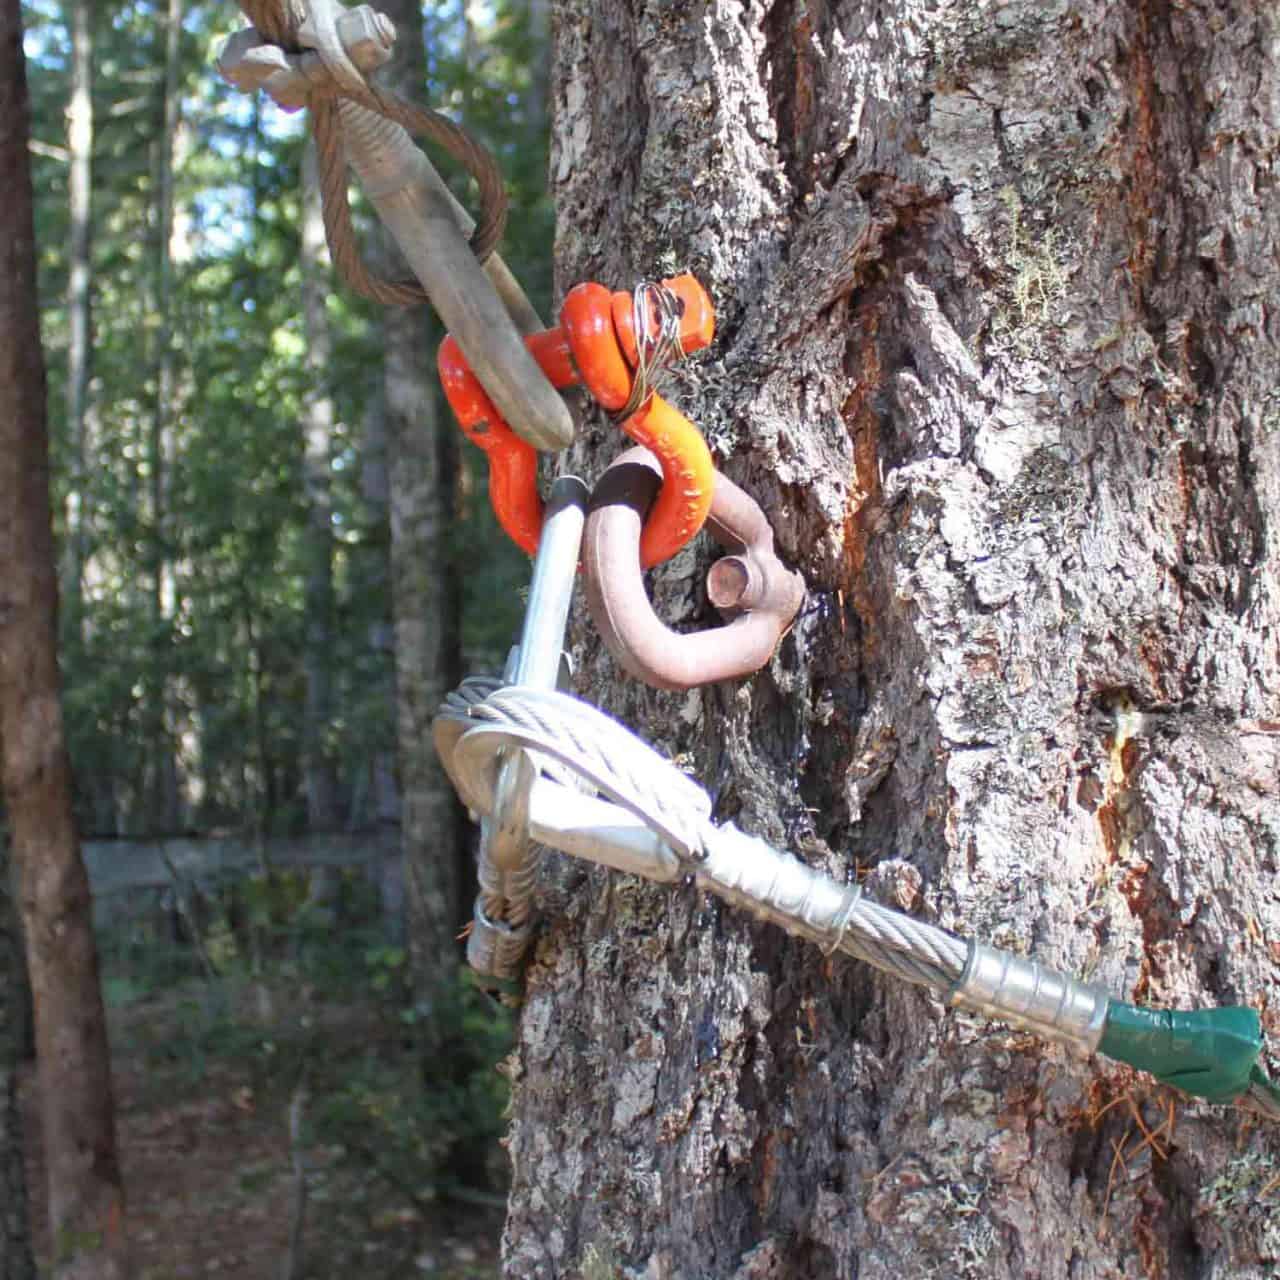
[751, 874]
[1026, 994]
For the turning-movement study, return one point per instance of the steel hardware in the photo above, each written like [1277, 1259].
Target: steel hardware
[508, 861]
[596, 343]
[485, 309]
[754, 592]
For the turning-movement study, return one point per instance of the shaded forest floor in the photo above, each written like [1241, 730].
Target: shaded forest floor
[204, 1103]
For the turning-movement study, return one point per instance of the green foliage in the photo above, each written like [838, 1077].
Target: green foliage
[428, 1132]
[425, 1124]
[228, 649]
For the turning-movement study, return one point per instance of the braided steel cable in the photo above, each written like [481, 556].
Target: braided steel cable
[743, 869]
[596, 748]
[355, 105]
[776, 887]
[1203, 1052]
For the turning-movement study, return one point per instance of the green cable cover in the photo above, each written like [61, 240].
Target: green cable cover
[1208, 1052]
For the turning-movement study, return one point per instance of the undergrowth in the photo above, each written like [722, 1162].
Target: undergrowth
[311, 1001]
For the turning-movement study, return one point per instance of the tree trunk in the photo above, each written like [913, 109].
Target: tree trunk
[16, 1260]
[375, 573]
[163, 815]
[85, 1195]
[425, 596]
[317, 428]
[997, 356]
[79, 309]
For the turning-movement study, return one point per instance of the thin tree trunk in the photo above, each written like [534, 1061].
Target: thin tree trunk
[79, 312]
[375, 574]
[164, 801]
[317, 428]
[540, 41]
[998, 357]
[426, 600]
[85, 1194]
[375, 488]
[16, 1260]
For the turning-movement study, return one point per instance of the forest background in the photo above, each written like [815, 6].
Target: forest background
[274, 559]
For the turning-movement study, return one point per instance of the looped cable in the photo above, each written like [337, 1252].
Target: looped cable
[655, 352]
[282, 22]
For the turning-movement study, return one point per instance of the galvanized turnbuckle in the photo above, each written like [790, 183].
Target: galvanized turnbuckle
[755, 593]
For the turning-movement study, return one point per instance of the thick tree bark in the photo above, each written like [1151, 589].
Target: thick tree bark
[317, 431]
[425, 597]
[85, 1196]
[998, 357]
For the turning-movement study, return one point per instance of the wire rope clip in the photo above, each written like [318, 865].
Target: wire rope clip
[615, 345]
[756, 594]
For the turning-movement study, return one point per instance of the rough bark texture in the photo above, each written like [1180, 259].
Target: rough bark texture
[85, 1196]
[425, 598]
[998, 356]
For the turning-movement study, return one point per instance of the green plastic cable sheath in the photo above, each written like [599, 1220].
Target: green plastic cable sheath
[1209, 1052]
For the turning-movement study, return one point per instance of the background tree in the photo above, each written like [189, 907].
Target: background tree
[79, 300]
[426, 599]
[85, 1196]
[996, 354]
[16, 1261]
[317, 433]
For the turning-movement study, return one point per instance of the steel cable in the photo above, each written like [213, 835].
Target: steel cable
[655, 352]
[278, 22]
[742, 869]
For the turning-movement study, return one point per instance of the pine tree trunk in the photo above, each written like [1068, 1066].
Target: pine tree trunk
[317, 430]
[85, 1196]
[997, 356]
[425, 596]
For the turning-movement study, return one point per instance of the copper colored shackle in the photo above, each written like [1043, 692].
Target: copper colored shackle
[754, 592]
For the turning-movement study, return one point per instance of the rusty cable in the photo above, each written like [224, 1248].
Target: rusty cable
[278, 21]
[656, 351]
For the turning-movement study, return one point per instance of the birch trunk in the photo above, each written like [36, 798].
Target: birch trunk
[425, 598]
[998, 356]
[85, 1195]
